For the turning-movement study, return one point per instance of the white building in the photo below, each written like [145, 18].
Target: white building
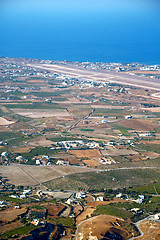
[38, 162]
[99, 199]
[157, 216]
[119, 195]
[128, 117]
[80, 195]
[69, 201]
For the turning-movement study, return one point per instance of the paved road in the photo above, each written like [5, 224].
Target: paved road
[137, 223]
[75, 124]
[126, 168]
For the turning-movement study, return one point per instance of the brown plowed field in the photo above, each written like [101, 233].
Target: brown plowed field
[54, 210]
[10, 226]
[11, 214]
[91, 163]
[140, 125]
[86, 153]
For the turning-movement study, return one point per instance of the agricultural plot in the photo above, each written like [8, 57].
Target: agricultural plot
[115, 179]
[41, 113]
[49, 103]
[5, 122]
[34, 175]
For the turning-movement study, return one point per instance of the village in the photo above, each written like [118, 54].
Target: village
[45, 209]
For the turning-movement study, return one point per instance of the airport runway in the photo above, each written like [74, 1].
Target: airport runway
[101, 75]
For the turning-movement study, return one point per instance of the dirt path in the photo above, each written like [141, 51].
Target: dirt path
[87, 212]
[148, 228]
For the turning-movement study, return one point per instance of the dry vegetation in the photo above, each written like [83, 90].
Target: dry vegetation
[100, 227]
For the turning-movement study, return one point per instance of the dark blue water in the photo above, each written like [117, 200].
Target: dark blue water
[81, 30]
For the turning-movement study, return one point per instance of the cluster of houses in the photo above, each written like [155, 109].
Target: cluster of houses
[23, 195]
[140, 198]
[4, 157]
[77, 144]
[2, 204]
[79, 196]
[42, 160]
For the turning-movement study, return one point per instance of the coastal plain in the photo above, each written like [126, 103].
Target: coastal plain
[78, 141]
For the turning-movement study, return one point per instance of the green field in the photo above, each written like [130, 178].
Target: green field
[34, 106]
[150, 147]
[149, 189]
[18, 231]
[123, 209]
[110, 209]
[100, 180]
[87, 130]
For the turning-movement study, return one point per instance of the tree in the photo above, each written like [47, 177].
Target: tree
[13, 186]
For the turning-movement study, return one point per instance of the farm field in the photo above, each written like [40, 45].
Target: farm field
[41, 113]
[34, 175]
[116, 122]
[115, 179]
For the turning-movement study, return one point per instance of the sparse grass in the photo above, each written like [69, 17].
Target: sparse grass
[123, 209]
[112, 210]
[66, 183]
[34, 106]
[40, 151]
[124, 131]
[8, 135]
[50, 94]
[38, 207]
[18, 231]
[61, 139]
[150, 189]
[65, 221]
[111, 179]
[87, 130]
[150, 147]
[120, 127]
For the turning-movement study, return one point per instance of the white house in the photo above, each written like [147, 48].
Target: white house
[35, 222]
[119, 195]
[140, 199]
[128, 117]
[60, 162]
[22, 196]
[27, 191]
[38, 162]
[4, 154]
[2, 204]
[80, 195]
[157, 216]
[14, 196]
[99, 199]
[69, 201]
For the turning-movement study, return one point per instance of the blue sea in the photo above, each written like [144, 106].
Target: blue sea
[81, 30]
